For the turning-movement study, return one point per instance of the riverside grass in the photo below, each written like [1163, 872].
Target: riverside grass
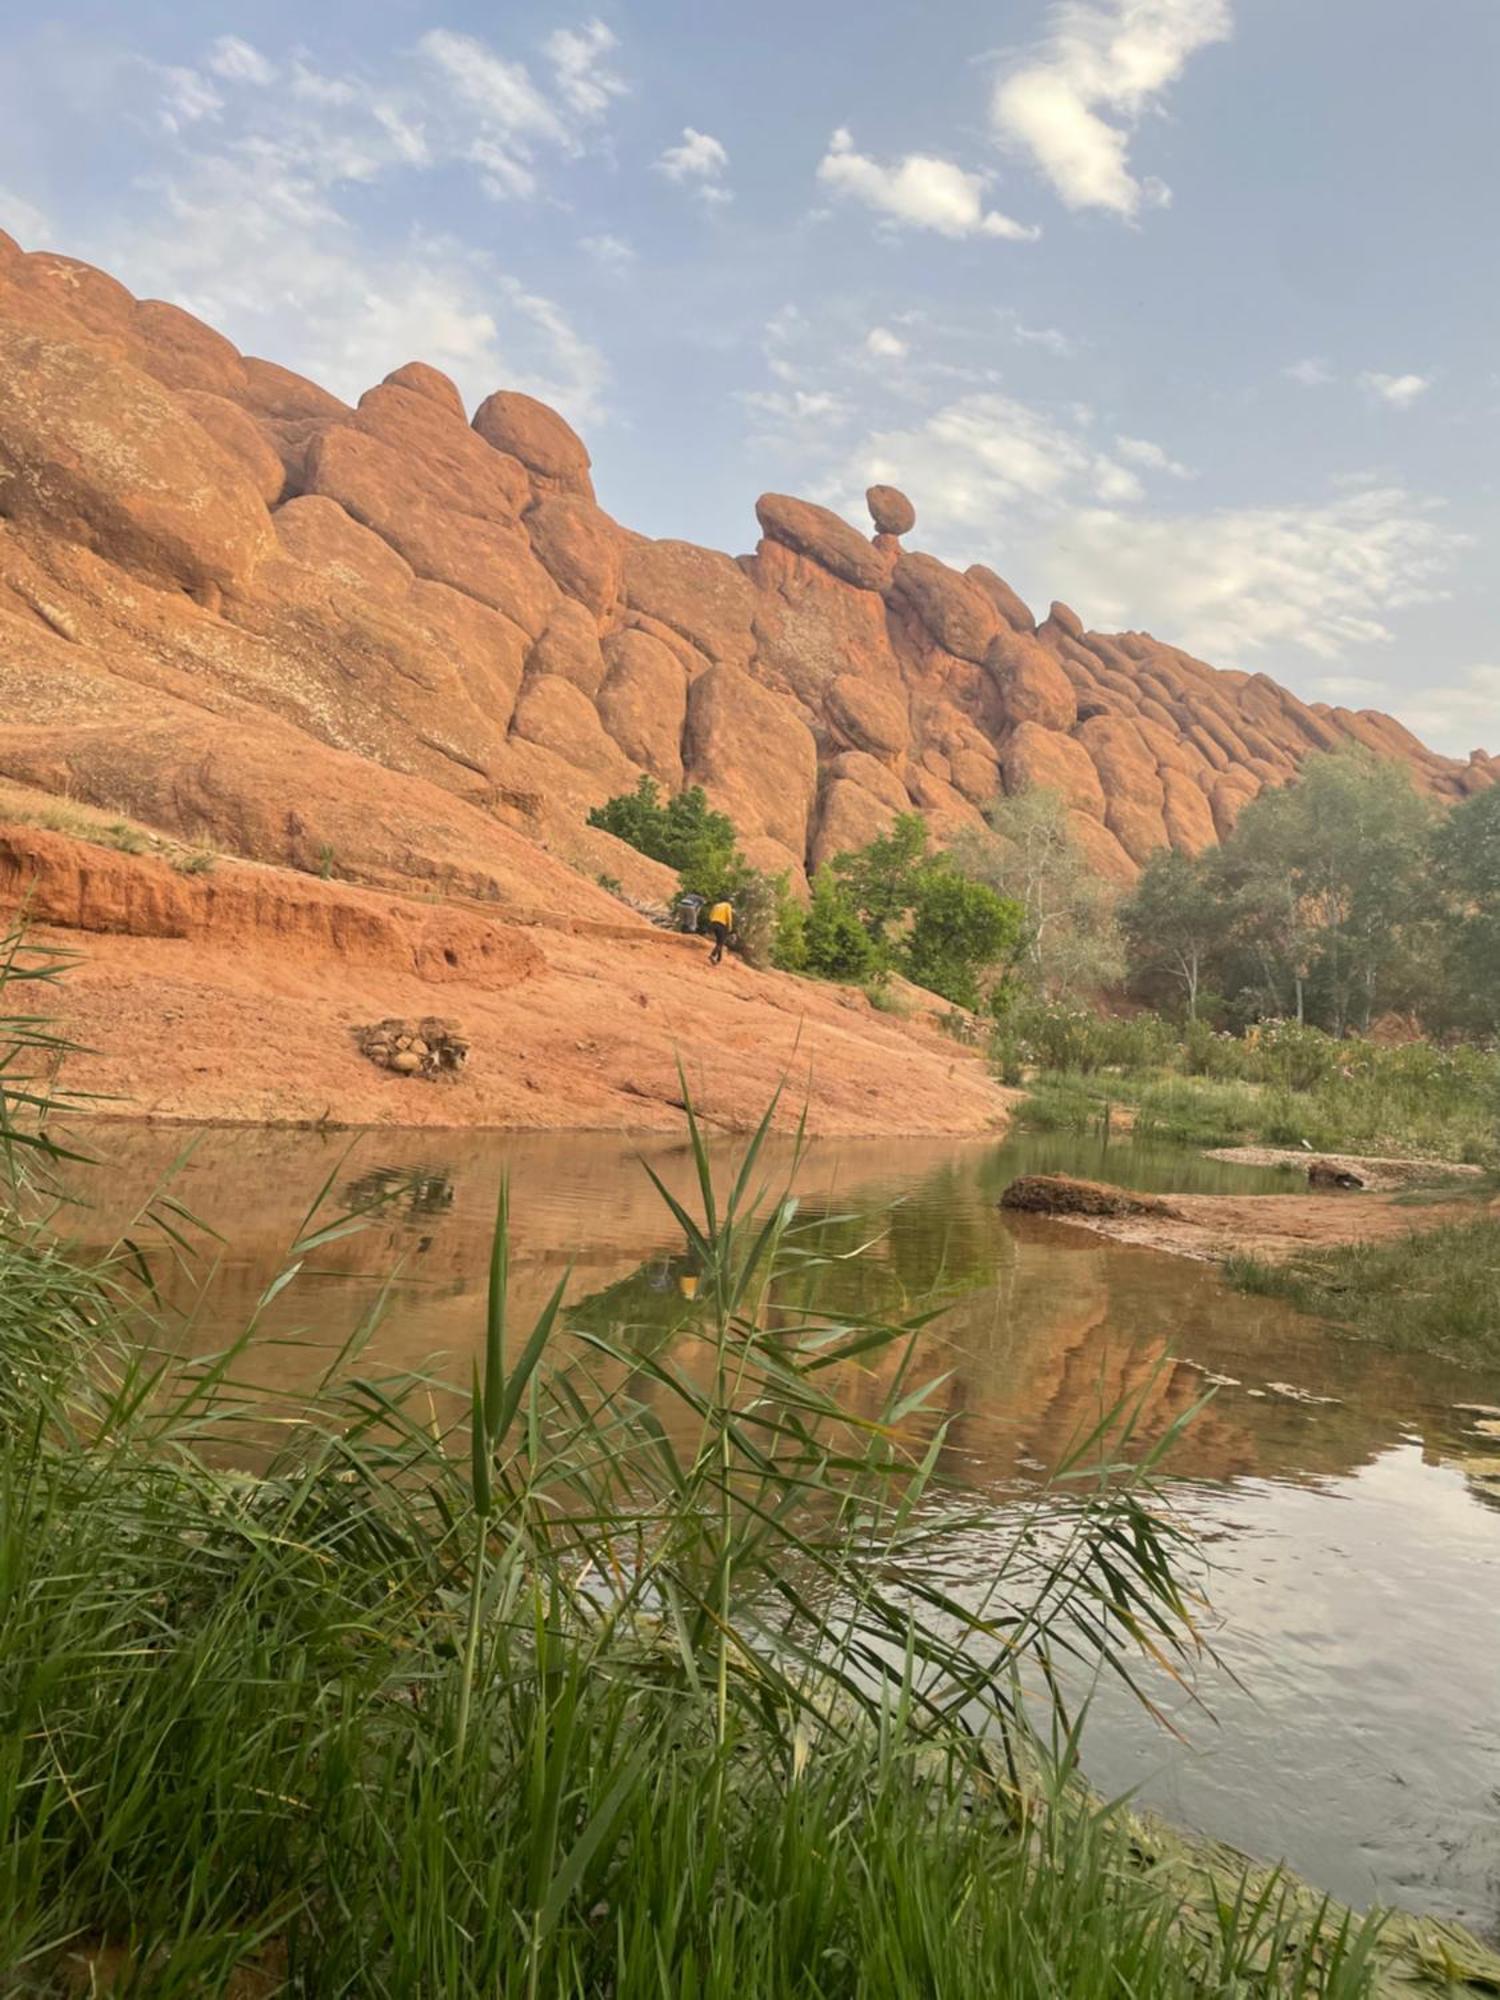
[1436, 1293]
[1279, 1084]
[638, 1676]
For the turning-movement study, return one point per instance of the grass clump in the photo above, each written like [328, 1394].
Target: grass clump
[1436, 1292]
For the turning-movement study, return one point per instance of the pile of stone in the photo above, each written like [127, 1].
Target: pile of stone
[429, 1048]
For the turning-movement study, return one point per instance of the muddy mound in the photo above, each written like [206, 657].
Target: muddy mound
[1060, 1194]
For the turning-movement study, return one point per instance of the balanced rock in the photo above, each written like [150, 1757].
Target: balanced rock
[890, 510]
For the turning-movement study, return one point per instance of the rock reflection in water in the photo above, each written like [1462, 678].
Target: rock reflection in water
[1355, 1569]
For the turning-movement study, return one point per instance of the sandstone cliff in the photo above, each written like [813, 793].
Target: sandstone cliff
[214, 575]
[391, 646]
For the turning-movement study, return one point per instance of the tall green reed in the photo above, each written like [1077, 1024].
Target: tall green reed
[635, 1670]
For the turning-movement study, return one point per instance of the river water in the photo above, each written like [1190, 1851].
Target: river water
[1351, 1724]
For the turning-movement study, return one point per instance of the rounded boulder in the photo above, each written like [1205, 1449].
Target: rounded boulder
[1031, 685]
[824, 538]
[102, 454]
[550, 449]
[890, 510]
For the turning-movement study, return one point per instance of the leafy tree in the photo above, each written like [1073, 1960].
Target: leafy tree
[1329, 879]
[1466, 866]
[1070, 942]
[835, 943]
[960, 929]
[761, 906]
[1177, 923]
[918, 912]
[882, 879]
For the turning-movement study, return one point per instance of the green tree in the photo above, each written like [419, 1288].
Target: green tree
[882, 878]
[960, 931]
[1466, 867]
[1329, 876]
[1069, 943]
[1177, 924]
[835, 944]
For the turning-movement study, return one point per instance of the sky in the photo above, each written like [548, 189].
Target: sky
[1183, 311]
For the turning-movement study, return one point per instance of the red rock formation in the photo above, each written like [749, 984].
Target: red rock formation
[890, 510]
[230, 604]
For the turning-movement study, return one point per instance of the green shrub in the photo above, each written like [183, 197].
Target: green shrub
[761, 907]
[1192, 1113]
[884, 998]
[1049, 1035]
[959, 930]
[684, 833]
[835, 944]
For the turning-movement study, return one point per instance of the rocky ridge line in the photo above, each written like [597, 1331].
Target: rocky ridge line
[390, 643]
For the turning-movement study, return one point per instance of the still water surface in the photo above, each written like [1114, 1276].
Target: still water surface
[1354, 1726]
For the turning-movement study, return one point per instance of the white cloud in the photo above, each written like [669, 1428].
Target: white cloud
[1074, 106]
[975, 460]
[238, 62]
[19, 218]
[581, 57]
[187, 98]
[1049, 337]
[795, 405]
[1141, 451]
[1342, 689]
[885, 345]
[1310, 373]
[1318, 578]
[1400, 391]
[698, 161]
[1115, 484]
[502, 175]
[315, 88]
[501, 92]
[1458, 717]
[919, 191]
[613, 253]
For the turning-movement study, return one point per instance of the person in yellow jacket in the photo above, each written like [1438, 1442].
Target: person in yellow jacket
[721, 927]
